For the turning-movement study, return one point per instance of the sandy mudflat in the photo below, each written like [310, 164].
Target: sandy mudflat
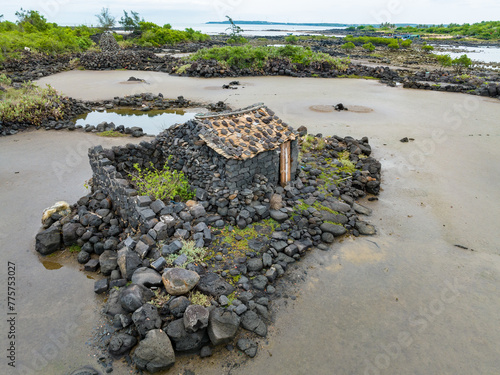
[405, 301]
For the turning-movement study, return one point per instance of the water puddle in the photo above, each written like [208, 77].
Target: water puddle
[152, 122]
[51, 265]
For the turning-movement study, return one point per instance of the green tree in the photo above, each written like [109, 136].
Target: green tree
[31, 20]
[106, 20]
[132, 22]
[461, 63]
[444, 60]
[235, 32]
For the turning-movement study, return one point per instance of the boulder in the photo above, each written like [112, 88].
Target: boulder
[195, 318]
[339, 206]
[247, 346]
[121, 344]
[184, 340]
[101, 286]
[222, 326]
[69, 233]
[155, 352]
[108, 261]
[213, 284]
[362, 209]
[134, 296]
[48, 241]
[146, 277]
[336, 230]
[255, 264]
[276, 202]
[252, 322]
[113, 305]
[128, 261]
[146, 318]
[179, 281]
[178, 306]
[365, 228]
[278, 215]
[259, 282]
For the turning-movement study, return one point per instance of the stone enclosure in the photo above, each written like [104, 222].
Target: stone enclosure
[251, 232]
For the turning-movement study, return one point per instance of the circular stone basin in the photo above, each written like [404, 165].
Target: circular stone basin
[331, 108]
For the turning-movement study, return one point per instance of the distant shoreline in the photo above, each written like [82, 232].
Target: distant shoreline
[320, 24]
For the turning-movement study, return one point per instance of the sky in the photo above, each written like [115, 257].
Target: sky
[77, 12]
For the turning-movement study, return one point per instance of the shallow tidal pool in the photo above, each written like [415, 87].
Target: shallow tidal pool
[152, 122]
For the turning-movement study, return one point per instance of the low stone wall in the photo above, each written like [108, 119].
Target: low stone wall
[487, 89]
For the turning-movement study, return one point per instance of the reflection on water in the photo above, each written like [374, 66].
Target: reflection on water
[152, 122]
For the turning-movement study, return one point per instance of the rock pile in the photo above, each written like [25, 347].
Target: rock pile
[108, 43]
[159, 309]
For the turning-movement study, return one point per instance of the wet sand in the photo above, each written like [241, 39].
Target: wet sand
[405, 301]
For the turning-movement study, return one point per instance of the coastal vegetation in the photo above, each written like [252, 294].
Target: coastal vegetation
[28, 104]
[481, 30]
[256, 57]
[33, 32]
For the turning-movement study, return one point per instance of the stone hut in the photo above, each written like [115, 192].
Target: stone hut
[248, 142]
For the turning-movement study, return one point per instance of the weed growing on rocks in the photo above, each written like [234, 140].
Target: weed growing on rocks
[159, 299]
[74, 249]
[198, 298]
[166, 184]
[189, 253]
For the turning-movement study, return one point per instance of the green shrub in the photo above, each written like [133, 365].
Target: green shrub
[427, 48]
[164, 184]
[394, 45]
[292, 39]
[4, 80]
[237, 39]
[406, 43]
[349, 46]
[369, 46]
[257, 57]
[444, 60]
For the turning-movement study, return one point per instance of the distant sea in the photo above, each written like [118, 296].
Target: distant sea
[254, 30]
